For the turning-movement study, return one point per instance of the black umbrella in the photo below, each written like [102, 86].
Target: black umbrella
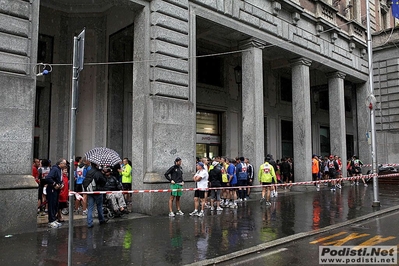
[103, 156]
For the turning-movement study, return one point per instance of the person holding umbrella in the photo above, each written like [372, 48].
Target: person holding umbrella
[95, 179]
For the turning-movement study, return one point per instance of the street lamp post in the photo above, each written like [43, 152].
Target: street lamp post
[370, 98]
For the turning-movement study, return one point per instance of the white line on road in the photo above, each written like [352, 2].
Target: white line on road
[241, 262]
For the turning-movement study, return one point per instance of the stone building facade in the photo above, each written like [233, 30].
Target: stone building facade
[159, 82]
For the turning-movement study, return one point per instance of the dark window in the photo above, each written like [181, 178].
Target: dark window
[38, 105]
[350, 150]
[286, 89]
[324, 141]
[36, 142]
[45, 49]
[287, 138]
[210, 70]
[348, 104]
[323, 100]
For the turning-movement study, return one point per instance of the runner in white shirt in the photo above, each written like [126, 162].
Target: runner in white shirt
[201, 179]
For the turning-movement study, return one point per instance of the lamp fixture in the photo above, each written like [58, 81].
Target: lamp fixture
[238, 74]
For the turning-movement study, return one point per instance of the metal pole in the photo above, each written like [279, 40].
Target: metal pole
[72, 135]
[376, 202]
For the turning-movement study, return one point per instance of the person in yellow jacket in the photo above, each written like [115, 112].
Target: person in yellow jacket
[267, 176]
[126, 173]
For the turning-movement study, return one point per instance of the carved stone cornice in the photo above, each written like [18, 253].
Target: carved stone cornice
[301, 61]
[336, 74]
[252, 42]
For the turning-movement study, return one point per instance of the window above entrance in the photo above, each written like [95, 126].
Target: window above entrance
[207, 123]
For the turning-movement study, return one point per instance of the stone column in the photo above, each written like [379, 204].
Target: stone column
[163, 108]
[18, 194]
[252, 102]
[337, 115]
[363, 123]
[301, 116]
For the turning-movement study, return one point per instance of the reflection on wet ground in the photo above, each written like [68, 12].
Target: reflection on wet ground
[181, 240]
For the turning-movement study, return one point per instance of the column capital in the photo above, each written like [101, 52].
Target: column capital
[336, 74]
[252, 42]
[301, 61]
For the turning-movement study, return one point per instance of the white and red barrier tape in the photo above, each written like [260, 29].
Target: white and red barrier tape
[79, 197]
[386, 164]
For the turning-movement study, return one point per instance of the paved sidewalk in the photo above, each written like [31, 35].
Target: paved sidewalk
[160, 240]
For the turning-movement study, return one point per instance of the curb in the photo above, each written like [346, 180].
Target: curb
[286, 239]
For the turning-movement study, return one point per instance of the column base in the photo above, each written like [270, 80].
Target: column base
[18, 206]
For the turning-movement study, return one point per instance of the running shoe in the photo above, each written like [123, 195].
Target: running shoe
[171, 214]
[179, 212]
[201, 214]
[195, 212]
[53, 225]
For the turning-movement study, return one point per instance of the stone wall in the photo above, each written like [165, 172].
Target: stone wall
[18, 49]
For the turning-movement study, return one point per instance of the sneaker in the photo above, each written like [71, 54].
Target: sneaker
[53, 225]
[195, 212]
[201, 214]
[333, 189]
[268, 203]
[219, 209]
[353, 183]
[366, 185]
[262, 200]
[212, 208]
[245, 199]
[339, 186]
[234, 206]
[318, 185]
[171, 214]
[84, 212]
[179, 212]
[357, 183]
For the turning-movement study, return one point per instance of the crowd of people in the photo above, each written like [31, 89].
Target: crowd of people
[53, 188]
[332, 167]
[223, 182]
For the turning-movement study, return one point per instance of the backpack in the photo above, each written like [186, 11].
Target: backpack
[89, 183]
[243, 175]
[79, 175]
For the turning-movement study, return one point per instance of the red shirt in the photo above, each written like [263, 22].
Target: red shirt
[35, 174]
[64, 191]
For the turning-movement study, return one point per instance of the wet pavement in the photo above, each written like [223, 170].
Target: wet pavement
[160, 240]
[377, 231]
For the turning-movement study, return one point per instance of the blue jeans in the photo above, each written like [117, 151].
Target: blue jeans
[98, 201]
[52, 199]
